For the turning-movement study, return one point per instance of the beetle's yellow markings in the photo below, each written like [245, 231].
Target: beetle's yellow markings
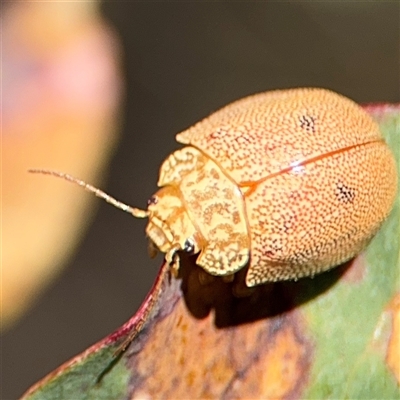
[217, 208]
[210, 208]
[178, 164]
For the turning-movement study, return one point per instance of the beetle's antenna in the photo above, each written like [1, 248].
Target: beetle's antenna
[136, 212]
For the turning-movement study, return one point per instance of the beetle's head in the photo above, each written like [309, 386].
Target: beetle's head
[169, 226]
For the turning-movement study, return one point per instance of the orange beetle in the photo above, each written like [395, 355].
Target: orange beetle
[289, 183]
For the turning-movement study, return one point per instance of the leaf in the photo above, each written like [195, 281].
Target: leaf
[333, 336]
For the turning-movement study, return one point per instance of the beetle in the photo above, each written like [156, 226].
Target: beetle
[287, 183]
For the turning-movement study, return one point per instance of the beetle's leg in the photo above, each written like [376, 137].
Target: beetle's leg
[152, 249]
[228, 278]
[172, 258]
[205, 278]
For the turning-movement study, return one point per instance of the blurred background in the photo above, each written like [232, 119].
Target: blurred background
[99, 91]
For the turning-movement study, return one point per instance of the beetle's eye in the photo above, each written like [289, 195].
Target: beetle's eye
[189, 246]
[152, 200]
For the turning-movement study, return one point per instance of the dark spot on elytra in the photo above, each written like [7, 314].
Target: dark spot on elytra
[268, 253]
[217, 134]
[307, 122]
[214, 173]
[344, 193]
